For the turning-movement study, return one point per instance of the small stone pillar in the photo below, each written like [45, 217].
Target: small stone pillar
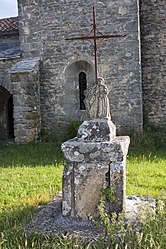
[26, 98]
[95, 161]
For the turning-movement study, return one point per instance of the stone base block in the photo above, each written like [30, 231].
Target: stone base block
[91, 167]
[49, 219]
[98, 130]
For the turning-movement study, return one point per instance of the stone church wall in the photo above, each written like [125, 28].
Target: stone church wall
[7, 60]
[26, 98]
[43, 28]
[9, 55]
[5, 81]
[5, 93]
[153, 39]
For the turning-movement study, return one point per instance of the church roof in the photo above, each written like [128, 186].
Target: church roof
[8, 25]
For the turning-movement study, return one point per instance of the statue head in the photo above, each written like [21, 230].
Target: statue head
[100, 81]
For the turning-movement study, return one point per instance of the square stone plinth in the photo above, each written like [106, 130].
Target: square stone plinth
[91, 167]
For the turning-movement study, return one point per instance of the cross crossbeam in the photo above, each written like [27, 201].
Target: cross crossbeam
[95, 37]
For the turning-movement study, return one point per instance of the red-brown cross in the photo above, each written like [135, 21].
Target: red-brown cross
[94, 37]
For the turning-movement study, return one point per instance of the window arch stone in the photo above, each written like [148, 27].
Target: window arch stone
[72, 105]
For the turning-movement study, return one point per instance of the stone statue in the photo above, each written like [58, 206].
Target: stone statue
[96, 100]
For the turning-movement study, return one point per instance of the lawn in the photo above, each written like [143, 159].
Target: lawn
[30, 175]
[146, 173]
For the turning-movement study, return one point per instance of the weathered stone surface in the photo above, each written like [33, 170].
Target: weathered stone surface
[96, 100]
[43, 35]
[153, 30]
[49, 219]
[113, 150]
[26, 98]
[9, 46]
[87, 164]
[98, 130]
[9, 55]
[140, 207]
[25, 66]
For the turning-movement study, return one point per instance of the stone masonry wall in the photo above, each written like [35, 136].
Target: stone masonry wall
[153, 38]
[9, 55]
[5, 93]
[8, 42]
[26, 99]
[5, 81]
[44, 25]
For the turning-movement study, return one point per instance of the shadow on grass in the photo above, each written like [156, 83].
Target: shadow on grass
[12, 225]
[13, 233]
[12, 230]
[146, 154]
[32, 154]
[150, 142]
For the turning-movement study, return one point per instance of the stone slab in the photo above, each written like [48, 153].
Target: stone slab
[49, 219]
[82, 151]
[138, 207]
[25, 65]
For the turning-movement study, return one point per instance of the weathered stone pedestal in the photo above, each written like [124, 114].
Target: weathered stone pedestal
[95, 161]
[95, 166]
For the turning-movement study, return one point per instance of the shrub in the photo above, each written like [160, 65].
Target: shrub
[73, 128]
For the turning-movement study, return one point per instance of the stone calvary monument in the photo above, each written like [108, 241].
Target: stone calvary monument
[95, 165]
[95, 159]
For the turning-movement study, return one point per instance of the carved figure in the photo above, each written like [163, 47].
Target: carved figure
[96, 100]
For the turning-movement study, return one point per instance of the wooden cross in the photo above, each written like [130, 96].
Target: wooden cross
[93, 36]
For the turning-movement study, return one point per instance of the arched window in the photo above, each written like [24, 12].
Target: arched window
[82, 88]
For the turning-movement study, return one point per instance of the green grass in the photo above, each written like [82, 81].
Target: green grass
[30, 175]
[28, 185]
[146, 173]
[32, 154]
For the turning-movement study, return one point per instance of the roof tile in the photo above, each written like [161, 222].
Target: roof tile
[9, 25]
